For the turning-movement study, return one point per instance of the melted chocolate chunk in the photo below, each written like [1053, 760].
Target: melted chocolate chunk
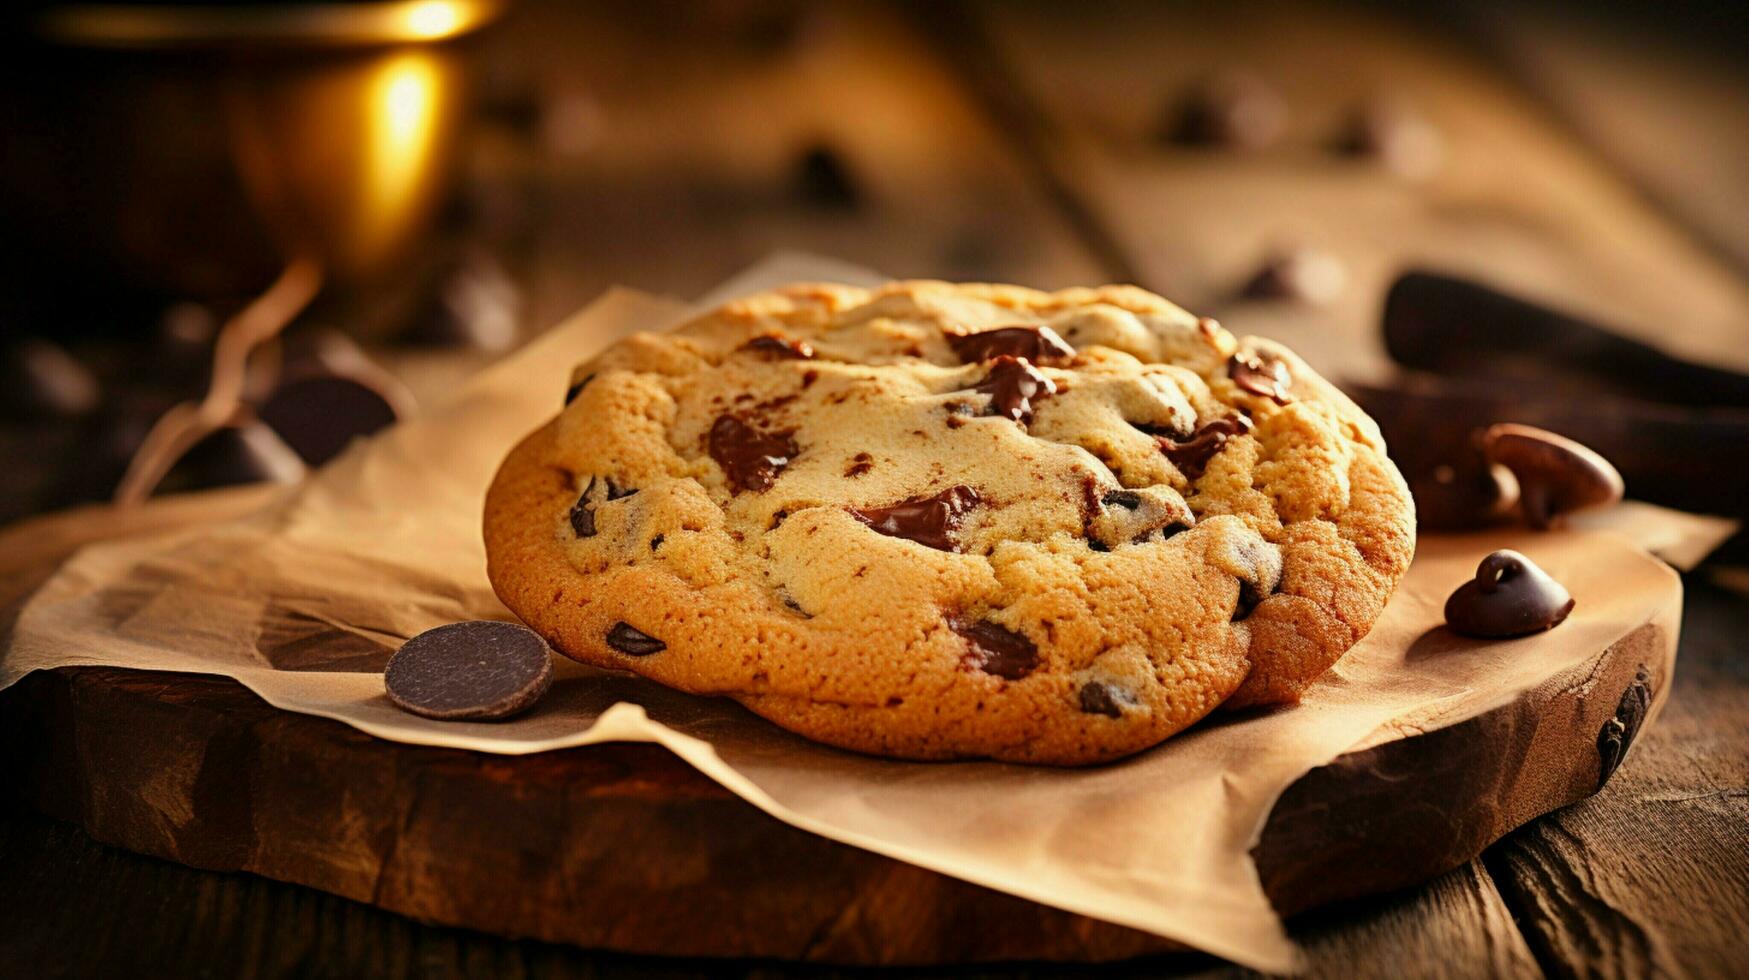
[633, 642]
[572, 392]
[1268, 377]
[1013, 383]
[583, 511]
[780, 347]
[478, 670]
[996, 649]
[751, 459]
[1510, 596]
[859, 464]
[1100, 698]
[1039, 345]
[1192, 455]
[933, 521]
[1127, 499]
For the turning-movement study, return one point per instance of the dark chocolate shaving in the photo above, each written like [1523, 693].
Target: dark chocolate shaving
[633, 642]
[1039, 345]
[1267, 377]
[1192, 455]
[780, 347]
[932, 521]
[996, 649]
[1013, 384]
[751, 459]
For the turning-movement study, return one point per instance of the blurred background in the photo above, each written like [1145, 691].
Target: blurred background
[1535, 213]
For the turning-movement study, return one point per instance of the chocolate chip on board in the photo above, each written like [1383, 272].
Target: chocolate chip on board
[1265, 376]
[1556, 476]
[1230, 110]
[996, 649]
[633, 642]
[751, 459]
[1037, 344]
[932, 521]
[1301, 275]
[1510, 596]
[1396, 134]
[1463, 496]
[480, 670]
[1013, 384]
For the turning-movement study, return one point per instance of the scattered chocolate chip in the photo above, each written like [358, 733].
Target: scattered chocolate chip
[1556, 476]
[1464, 496]
[995, 649]
[40, 379]
[583, 511]
[1013, 383]
[780, 347]
[633, 642]
[1038, 344]
[932, 521]
[320, 416]
[750, 459]
[1300, 275]
[474, 303]
[1510, 596]
[1267, 377]
[1233, 109]
[1192, 455]
[1617, 734]
[1100, 698]
[243, 452]
[824, 180]
[479, 670]
[1394, 133]
[577, 387]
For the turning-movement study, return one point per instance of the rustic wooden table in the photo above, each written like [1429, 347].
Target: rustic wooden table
[665, 146]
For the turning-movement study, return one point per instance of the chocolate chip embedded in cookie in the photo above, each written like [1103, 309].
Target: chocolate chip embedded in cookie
[980, 521]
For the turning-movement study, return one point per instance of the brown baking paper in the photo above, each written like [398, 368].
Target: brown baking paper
[304, 600]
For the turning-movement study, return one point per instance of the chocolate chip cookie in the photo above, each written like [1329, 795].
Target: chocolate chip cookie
[947, 521]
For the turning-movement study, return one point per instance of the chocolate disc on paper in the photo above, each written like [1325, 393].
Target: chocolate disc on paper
[473, 671]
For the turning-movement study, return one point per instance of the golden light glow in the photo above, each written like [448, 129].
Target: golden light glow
[431, 19]
[402, 126]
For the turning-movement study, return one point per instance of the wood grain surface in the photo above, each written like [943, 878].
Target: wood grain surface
[1034, 160]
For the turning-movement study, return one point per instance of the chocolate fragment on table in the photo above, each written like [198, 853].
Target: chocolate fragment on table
[480, 670]
[474, 303]
[1013, 384]
[823, 179]
[1510, 596]
[751, 459]
[330, 393]
[933, 521]
[243, 451]
[1234, 110]
[1038, 344]
[1394, 133]
[41, 380]
[1556, 475]
[1302, 275]
[996, 649]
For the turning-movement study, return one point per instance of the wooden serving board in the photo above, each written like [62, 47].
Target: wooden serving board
[626, 847]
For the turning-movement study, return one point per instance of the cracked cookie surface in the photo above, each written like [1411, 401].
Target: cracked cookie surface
[954, 521]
